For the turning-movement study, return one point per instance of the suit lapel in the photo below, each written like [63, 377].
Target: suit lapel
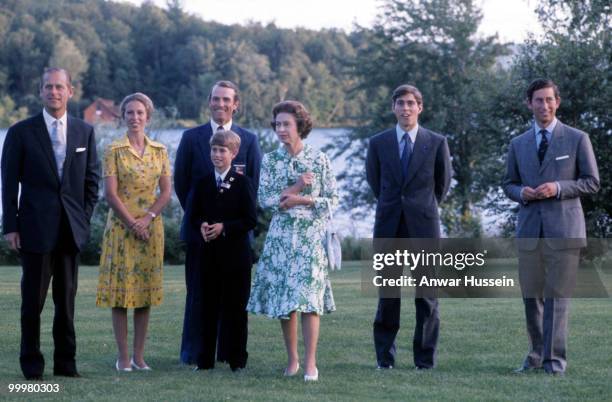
[420, 151]
[43, 137]
[203, 142]
[391, 146]
[555, 147]
[531, 151]
[71, 141]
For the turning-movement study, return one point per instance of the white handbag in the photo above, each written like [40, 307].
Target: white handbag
[332, 243]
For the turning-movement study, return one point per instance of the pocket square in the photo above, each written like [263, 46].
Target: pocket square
[81, 149]
[560, 158]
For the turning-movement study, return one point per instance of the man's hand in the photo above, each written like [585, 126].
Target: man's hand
[13, 240]
[546, 190]
[211, 232]
[528, 194]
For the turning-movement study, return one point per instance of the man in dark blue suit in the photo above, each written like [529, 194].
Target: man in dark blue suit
[52, 157]
[192, 164]
[408, 169]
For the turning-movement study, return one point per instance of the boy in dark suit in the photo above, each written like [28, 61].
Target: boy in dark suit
[223, 211]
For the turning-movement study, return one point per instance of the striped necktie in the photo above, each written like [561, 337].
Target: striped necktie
[59, 147]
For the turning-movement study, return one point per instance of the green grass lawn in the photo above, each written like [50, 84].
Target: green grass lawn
[481, 341]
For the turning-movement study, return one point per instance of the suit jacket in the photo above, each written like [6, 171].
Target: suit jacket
[418, 194]
[569, 161]
[28, 160]
[233, 205]
[193, 163]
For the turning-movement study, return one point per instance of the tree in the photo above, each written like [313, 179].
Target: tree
[575, 53]
[432, 44]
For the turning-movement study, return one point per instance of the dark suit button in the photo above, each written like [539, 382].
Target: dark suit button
[403, 198]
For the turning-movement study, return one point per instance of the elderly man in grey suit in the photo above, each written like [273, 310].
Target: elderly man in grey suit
[408, 169]
[549, 167]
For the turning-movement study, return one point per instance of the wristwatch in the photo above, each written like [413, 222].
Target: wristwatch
[153, 215]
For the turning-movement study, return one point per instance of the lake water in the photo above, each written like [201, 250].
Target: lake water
[345, 221]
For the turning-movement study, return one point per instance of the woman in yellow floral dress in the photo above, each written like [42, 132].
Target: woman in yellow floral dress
[132, 257]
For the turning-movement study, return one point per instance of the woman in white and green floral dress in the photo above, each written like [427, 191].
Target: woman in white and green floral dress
[297, 184]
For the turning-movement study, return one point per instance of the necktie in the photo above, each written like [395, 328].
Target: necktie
[219, 181]
[59, 148]
[406, 153]
[543, 146]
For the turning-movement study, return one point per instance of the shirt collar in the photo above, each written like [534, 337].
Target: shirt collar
[412, 133]
[215, 126]
[222, 175]
[50, 119]
[549, 129]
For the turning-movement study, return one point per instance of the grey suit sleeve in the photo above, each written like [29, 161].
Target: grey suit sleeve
[588, 174]
[512, 184]
[443, 171]
[12, 155]
[373, 169]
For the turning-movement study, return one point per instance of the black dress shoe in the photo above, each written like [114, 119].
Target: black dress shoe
[422, 368]
[62, 373]
[38, 377]
[384, 367]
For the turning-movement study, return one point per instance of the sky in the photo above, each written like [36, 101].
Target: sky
[512, 20]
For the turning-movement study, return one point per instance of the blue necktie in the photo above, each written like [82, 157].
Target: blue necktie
[543, 146]
[406, 153]
[219, 181]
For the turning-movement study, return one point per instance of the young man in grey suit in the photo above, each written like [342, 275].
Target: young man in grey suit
[49, 190]
[549, 167]
[409, 170]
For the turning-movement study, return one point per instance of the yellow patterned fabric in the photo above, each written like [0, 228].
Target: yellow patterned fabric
[131, 270]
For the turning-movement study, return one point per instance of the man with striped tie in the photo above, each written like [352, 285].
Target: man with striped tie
[49, 190]
[409, 170]
[549, 167]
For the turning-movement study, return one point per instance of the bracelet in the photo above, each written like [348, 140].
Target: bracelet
[152, 214]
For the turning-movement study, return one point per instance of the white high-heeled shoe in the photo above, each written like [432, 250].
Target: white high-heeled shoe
[137, 367]
[314, 377]
[288, 374]
[119, 369]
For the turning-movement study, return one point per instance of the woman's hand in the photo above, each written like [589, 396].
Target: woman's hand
[291, 200]
[305, 179]
[140, 227]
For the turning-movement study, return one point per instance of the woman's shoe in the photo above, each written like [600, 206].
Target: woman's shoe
[137, 367]
[288, 374]
[126, 369]
[314, 377]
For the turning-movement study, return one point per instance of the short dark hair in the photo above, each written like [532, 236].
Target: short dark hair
[227, 139]
[299, 112]
[540, 83]
[226, 84]
[405, 90]
[49, 70]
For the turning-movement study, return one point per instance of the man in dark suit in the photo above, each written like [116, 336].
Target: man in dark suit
[549, 167]
[408, 169]
[223, 211]
[52, 156]
[192, 164]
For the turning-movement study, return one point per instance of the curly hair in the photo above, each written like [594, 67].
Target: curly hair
[299, 112]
